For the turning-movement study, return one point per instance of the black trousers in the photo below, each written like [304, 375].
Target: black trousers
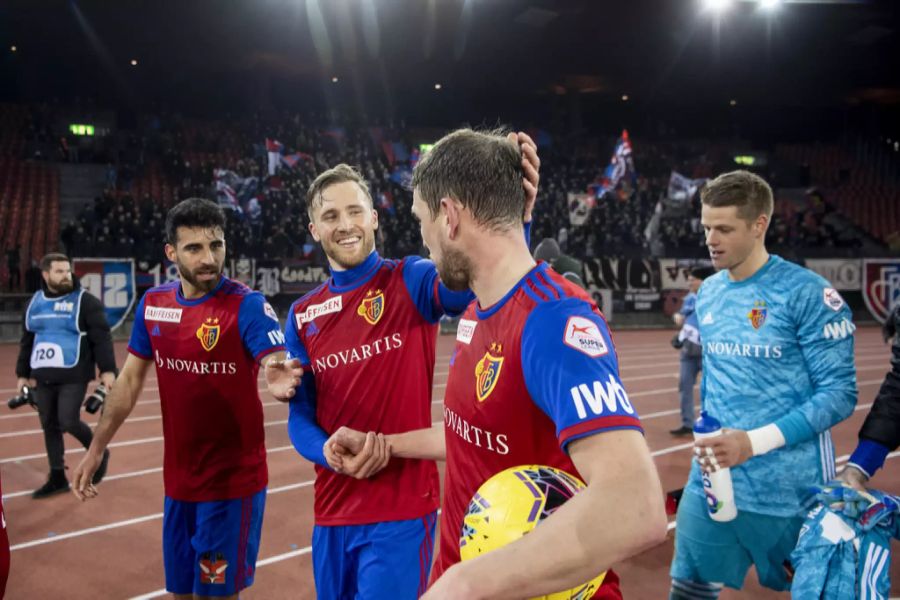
[59, 405]
[14, 274]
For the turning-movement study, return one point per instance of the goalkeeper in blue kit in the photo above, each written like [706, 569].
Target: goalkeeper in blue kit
[778, 373]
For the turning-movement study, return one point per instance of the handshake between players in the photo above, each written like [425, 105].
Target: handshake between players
[347, 451]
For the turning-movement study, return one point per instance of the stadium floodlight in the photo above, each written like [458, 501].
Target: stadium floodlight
[769, 4]
[437, 86]
[13, 48]
[133, 62]
[624, 97]
[334, 80]
[716, 6]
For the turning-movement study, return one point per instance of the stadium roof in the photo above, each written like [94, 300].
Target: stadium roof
[393, 52]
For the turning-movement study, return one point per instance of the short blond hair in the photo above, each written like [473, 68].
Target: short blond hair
[338, 174]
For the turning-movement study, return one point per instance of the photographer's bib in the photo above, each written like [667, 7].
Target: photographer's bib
[54, 322]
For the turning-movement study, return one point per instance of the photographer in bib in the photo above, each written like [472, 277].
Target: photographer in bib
[65, 334]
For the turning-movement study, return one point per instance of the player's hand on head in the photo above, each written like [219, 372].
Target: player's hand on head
[283, 377]
[82, 485]
[531, 165]
[731, 448]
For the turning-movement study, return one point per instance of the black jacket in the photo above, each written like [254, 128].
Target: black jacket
[96, 346]
[882, 425]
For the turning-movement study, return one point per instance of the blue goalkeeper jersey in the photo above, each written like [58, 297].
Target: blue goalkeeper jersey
[777, 348]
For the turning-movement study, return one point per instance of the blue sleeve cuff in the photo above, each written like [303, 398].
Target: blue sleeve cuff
[869, 456]
[307, 437]
[795, 429]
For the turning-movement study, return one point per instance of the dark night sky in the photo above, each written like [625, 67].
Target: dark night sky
[492, 57]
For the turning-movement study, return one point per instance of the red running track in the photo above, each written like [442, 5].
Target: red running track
[111, 547]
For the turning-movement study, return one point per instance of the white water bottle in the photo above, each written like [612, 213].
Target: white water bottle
[717, 485]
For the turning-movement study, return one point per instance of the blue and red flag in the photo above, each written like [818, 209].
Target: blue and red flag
[291, 160]
[620, 164]
[273, 145]
[386, 202]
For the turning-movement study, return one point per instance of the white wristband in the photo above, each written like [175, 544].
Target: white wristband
[765, 439]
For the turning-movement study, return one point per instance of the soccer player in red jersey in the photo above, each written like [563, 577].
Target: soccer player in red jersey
[206, 335]
[364, 344]
[534, 379]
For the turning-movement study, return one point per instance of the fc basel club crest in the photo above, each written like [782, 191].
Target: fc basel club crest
[372, 307]
[881, 286]
[212, 570]
[208, 334]
[757, 314]
[487, 371]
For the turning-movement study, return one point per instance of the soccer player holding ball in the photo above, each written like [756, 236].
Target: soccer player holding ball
[534, 380]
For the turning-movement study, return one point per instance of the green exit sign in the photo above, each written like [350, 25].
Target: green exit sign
[79, 129]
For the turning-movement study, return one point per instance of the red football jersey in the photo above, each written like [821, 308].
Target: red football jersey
[514, 394]
[372, 354]
[206, 352]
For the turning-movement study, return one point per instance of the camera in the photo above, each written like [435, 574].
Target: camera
[95, 401]
[24, 397]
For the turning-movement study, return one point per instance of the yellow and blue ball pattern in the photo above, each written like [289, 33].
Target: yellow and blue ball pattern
[512, 503]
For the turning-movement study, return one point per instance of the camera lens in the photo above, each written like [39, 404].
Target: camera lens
[93, 402]
[23, 398]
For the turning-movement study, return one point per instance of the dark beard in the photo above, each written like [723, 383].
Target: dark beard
[206, 286]
[61, 288]
[455, 270]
